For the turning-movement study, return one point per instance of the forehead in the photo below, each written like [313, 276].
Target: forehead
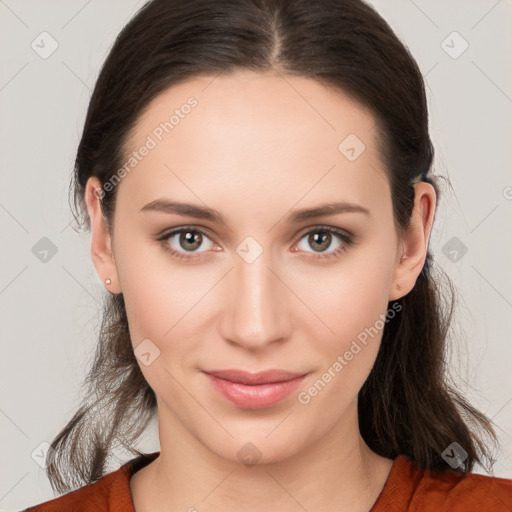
[271, 134]
[245, 103]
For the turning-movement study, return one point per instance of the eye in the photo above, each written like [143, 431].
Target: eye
[324, 237]
[184, 242]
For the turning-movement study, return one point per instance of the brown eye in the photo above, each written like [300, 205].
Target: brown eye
[320, 240]
[186, 242]
[190, 240]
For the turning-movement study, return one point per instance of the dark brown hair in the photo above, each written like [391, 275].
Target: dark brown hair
[406, 406]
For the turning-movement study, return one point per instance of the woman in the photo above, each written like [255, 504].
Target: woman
[256, 178]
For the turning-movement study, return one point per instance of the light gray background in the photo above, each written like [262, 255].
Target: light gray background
[50, 311]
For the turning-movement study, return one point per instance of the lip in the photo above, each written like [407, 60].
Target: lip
[263, 377]
[254, 390]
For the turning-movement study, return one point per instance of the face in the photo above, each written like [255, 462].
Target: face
[260, 284]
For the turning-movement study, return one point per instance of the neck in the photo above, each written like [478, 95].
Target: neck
[337, 472]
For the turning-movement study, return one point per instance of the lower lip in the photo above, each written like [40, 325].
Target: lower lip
[255, 396]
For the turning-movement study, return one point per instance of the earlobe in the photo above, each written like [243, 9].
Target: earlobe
[414, 242]
[101, 243]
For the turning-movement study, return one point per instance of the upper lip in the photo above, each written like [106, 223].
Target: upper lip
[263, 377]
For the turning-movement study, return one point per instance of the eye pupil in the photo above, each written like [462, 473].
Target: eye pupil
[315, 238]
[190, 237]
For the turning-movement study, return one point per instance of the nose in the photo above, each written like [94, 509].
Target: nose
[257, 301]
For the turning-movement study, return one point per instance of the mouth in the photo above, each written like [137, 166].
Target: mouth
[254, 390]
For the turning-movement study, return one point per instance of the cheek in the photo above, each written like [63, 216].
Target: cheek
[157, 294]
[353, 298]
[168, 306]
[159, 310]
[348, 355]
[353, 304]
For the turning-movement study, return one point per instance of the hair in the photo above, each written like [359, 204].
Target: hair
[407, 405]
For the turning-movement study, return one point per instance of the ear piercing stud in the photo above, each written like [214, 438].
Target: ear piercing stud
[107, 281]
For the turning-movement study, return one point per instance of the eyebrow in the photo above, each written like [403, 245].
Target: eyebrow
[205, 213]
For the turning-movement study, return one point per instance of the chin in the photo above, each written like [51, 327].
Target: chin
[256, 449]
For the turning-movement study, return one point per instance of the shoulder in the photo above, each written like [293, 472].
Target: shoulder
[100, 495]
[412, 488]
[469, 492]
[112, 492]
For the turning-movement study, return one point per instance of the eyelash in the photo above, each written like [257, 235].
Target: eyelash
[346, 239]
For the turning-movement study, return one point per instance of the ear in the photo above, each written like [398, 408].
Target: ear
[413, 244]
[101, 243]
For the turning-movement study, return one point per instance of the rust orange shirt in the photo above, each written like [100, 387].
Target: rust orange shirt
[407, 488]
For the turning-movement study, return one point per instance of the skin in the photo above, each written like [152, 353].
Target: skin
[257, 147]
